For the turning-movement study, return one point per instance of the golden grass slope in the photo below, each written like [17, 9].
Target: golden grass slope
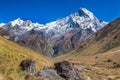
[100, 54]
[11, 55]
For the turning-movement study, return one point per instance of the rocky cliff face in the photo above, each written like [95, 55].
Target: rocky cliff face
[37, 42]
[70, 41]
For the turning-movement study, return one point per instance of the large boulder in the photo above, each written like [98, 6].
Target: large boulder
[48, 73]
[67, 71]
[28, 65]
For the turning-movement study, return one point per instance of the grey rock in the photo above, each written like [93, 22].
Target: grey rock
[28, 65]
[67, 71]
[49, 73]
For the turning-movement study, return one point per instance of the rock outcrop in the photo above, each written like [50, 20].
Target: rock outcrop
[28, 65]
[48, 73]
[4, 33]
[67, 71]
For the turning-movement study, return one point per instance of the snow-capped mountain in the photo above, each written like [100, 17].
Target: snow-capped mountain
[83, 19]
[82, 22]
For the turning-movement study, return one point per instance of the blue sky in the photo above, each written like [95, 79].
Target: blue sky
[44, 11]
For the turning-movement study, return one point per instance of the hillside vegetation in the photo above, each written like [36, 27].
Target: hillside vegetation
[11, 55]
[100, 54]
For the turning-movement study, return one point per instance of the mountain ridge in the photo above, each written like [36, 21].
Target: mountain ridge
[103, 40]
[55, 34]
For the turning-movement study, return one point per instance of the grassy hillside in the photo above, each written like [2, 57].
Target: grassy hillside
[102, 41]
[11, 55]
[100, 54]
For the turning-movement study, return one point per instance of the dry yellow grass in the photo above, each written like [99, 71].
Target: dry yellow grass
[11, 55]
[100, 53]
[100, 67]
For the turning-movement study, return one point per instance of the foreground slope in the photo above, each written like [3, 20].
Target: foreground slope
[11, 55]
[99, 54]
